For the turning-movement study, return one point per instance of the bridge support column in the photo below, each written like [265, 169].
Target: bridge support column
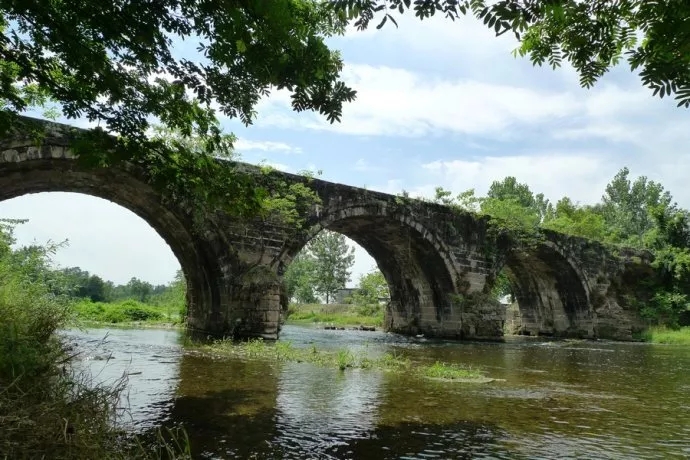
[255, 310]
[482, 319]
[248, 307]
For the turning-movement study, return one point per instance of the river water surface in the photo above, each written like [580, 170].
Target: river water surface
[556, 399]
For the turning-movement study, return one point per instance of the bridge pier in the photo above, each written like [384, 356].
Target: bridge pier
[246, 309]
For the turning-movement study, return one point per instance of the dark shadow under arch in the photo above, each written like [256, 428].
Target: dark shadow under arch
[550, 291]
[127, 189]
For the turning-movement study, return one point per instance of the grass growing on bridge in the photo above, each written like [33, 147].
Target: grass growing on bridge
[660, 334]
[341, 359]
[335, 314]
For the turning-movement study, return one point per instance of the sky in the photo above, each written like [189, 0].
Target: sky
[439, 103]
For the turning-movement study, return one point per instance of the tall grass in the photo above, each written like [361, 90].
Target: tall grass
[335, 314]
[47, 409]
[661, 334]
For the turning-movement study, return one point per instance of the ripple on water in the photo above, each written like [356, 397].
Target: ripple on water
[566, 400]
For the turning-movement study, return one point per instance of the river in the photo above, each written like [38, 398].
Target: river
[556, 399]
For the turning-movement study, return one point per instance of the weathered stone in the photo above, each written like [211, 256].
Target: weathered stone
[438, 263]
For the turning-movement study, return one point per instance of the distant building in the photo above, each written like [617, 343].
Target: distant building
[341, 295]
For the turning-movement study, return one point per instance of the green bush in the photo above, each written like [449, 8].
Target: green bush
[122, 312]
[137, 311]
[372, 309]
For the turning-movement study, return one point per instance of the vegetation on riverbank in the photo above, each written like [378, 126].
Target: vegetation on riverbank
[660, 334]
[335, 314]
[341, 358]
[47, 408]
[127, 313]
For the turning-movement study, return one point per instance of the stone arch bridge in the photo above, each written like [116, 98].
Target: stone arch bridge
[439, 264]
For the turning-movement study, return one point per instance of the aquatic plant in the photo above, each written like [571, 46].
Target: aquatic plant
[341, 359]
[447, 371]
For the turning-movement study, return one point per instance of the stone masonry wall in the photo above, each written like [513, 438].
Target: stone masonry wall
[439, 263]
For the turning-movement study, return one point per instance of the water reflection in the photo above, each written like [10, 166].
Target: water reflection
[227, 407]
[558, 399]
[148, 359]
[319, 409]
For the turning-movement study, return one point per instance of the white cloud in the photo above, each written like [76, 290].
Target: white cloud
[397, 102]
[243, 145]
[363, 165]
[579, 176]
[465, 36]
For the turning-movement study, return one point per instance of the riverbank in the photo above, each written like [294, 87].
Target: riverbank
[49, 408]
[127, 314]
[660, 334]
[343, 315]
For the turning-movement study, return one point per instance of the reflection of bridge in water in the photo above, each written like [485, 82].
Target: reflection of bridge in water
[439, 263]
[555, 399]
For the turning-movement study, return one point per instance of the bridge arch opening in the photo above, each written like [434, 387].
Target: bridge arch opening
[547, 295]
[420, 282]
[42, 173]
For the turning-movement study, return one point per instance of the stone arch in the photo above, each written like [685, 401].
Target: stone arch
[551, 291]
[27, 168]
[415, 263]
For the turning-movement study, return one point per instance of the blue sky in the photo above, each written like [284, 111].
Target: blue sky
[439, 103]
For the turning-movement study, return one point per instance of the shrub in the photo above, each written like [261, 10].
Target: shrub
[372, 309]
[137, 311]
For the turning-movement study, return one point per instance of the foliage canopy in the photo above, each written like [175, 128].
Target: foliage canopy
[592, 35]
[130, 65]
[637, 213]
[115, 62]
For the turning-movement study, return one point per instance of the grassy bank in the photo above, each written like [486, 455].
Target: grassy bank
[342, 359]
[47, 409]
[127, 313]
[335, 314]
[660, 334]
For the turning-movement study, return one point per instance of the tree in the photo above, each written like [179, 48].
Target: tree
[510, 190]
[372, 288]
[627, 206]
[592, 35]
[139, 290]
[117, 63]
[120, 65]
[584, 221]
[95, 289]
[333, 259]
[299, 278]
